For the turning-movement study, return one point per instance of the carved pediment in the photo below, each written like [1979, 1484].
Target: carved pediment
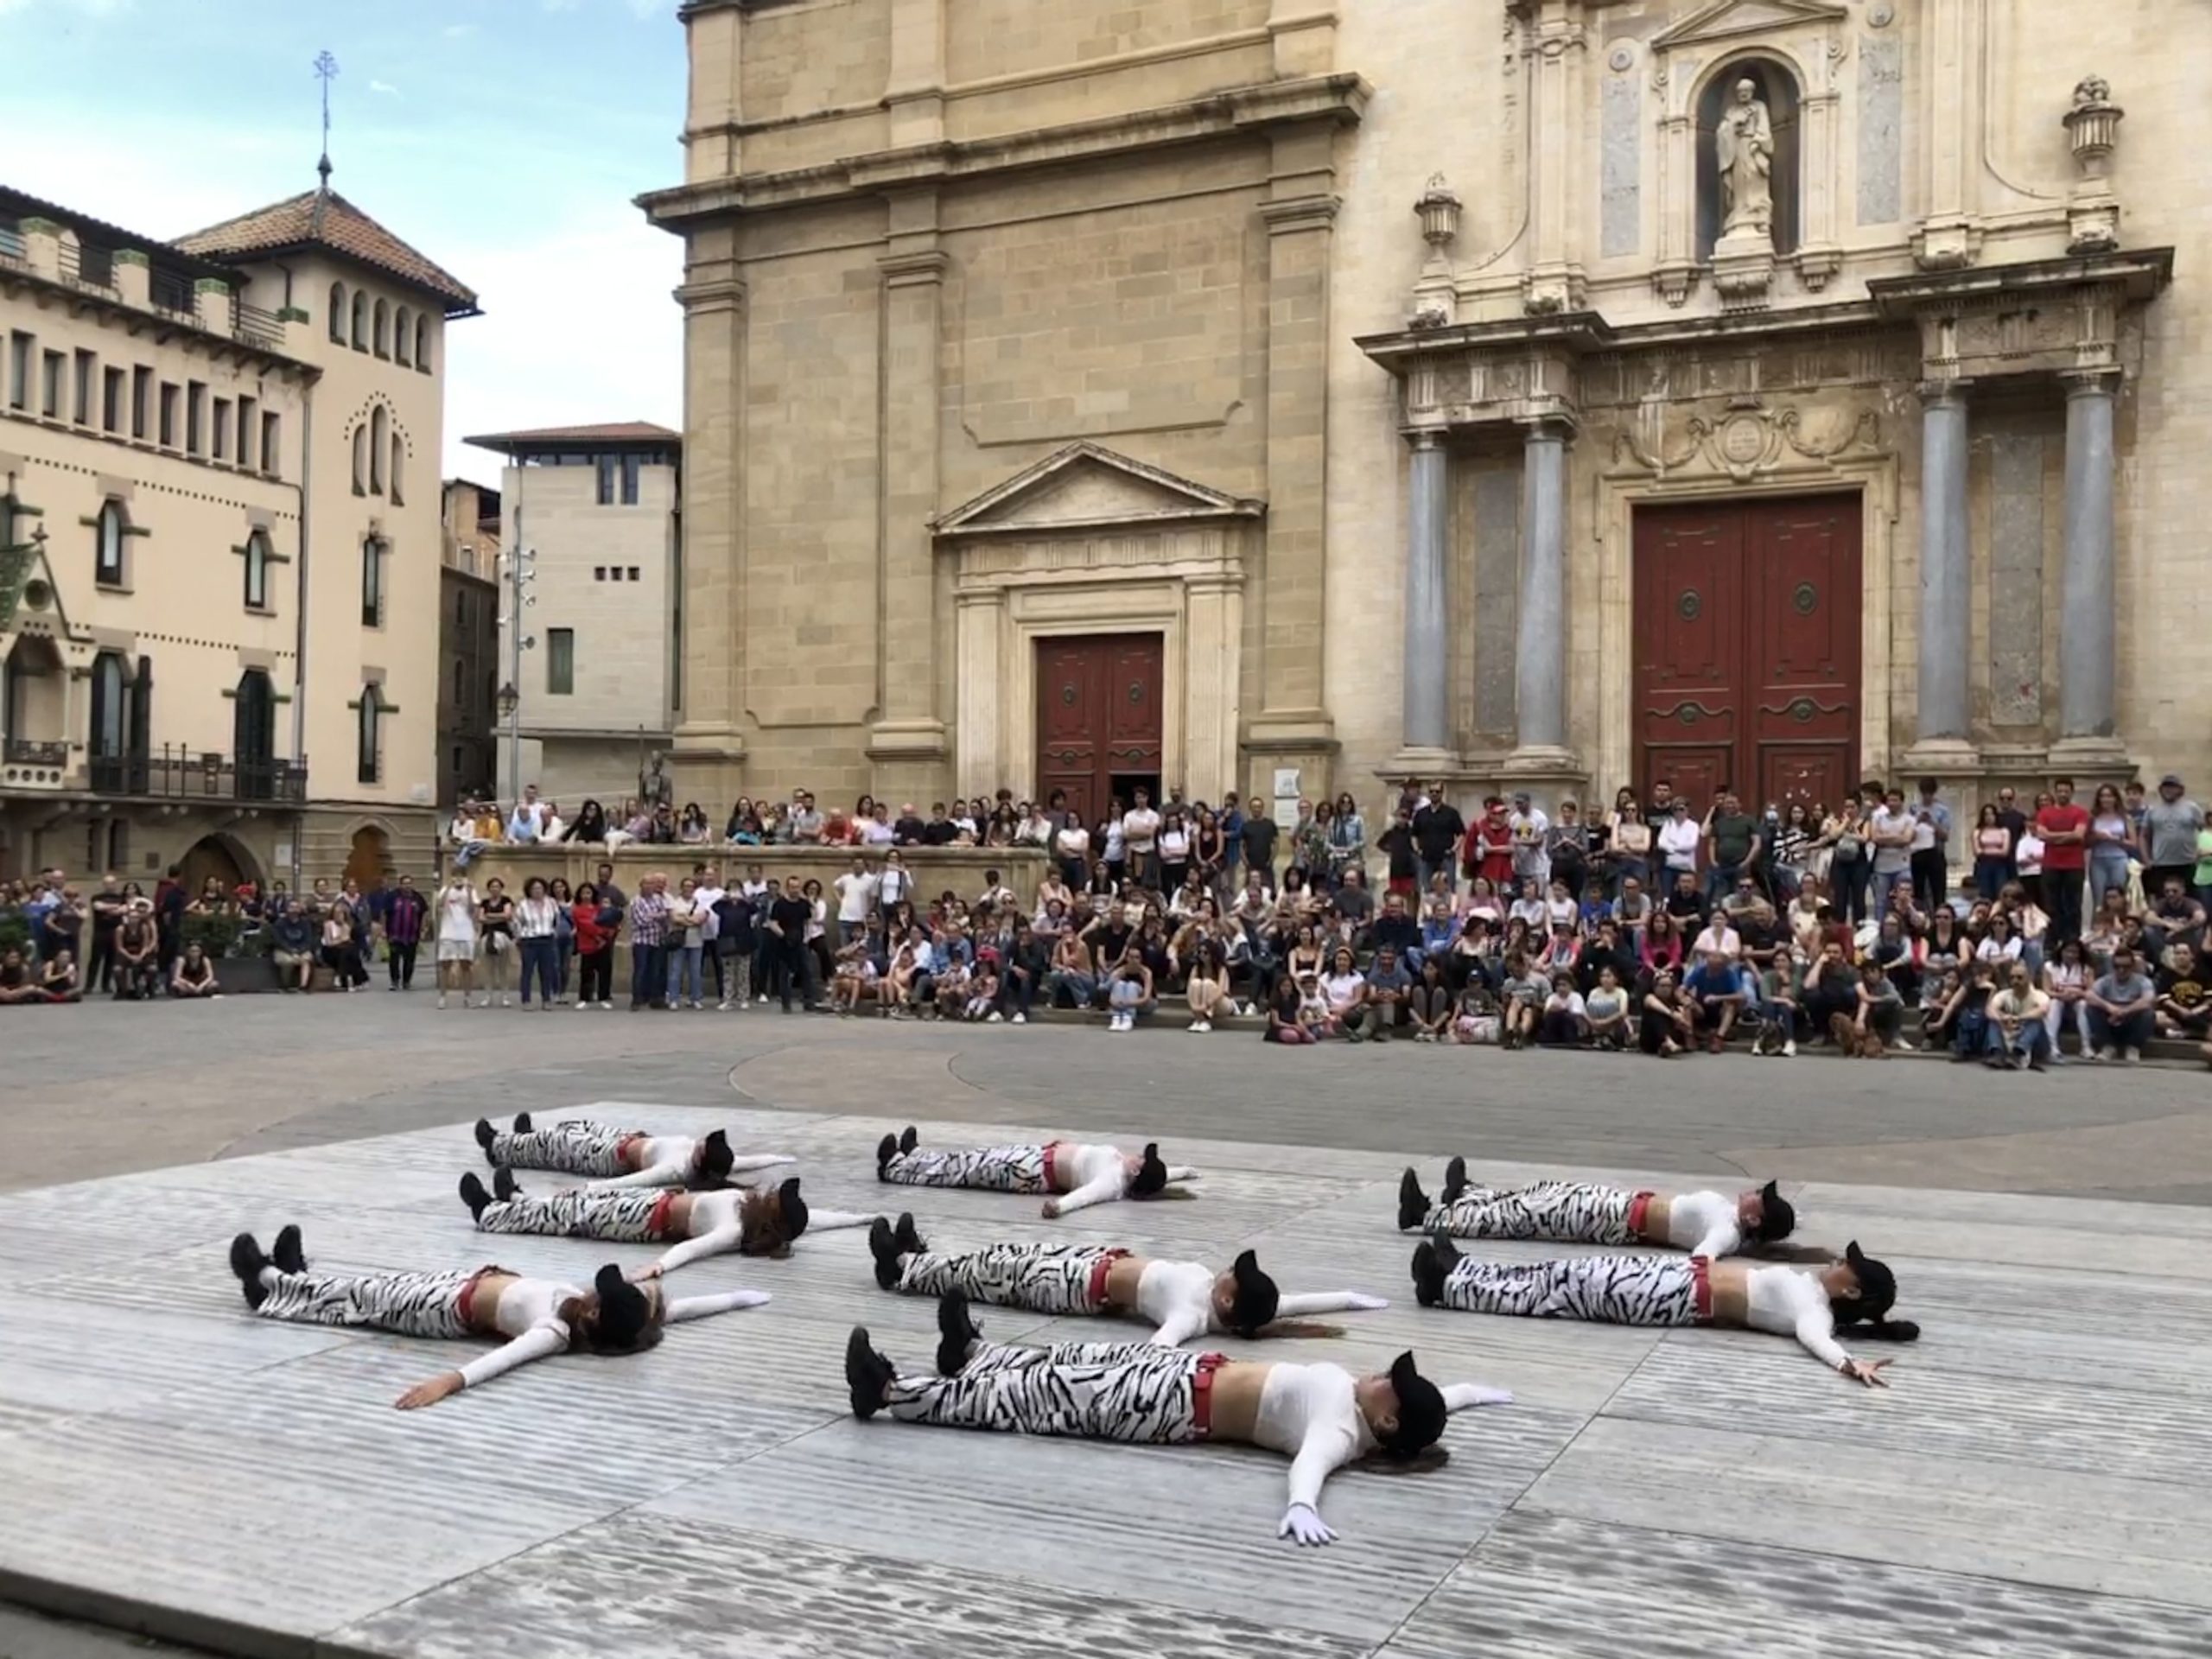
[1085, 484]
[1731, 18]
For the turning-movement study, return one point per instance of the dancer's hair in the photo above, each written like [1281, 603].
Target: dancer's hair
[1421, 1410]
[769, 1221]
[1151, 1179]
[1867, 1311]
[715, 1155]
[1777, 1216]
[625, 1323]
[1256, 1297]
[1295, 1328]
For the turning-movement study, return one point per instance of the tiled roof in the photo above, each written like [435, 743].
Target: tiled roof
[553, 436]
[317, 218]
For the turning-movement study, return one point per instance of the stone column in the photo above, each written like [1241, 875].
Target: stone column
[1213, 632]
[710, 749]
[1540, 639]
[2086, 710]
[979, 628]
[1944, 565]
[1428, 734]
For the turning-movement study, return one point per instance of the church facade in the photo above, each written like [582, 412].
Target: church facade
[1557, 394]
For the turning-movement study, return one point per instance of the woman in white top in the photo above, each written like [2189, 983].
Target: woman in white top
[1321, 1416]
[1577, 1212]
[537, 1316]
[1080, 1176]
[2000, 943]
[457, 924]
[753, 1221]
[1530, 908]
[537, 920]
[2067, 979]
[1654, 1290]
[1179, 1300]
[1678, 841]
[1071, 848]
[617, 1157]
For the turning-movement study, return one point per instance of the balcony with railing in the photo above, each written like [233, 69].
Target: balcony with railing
[171, 292]
[255, 327]
[84, 267]
[175, 774]
[34, 763]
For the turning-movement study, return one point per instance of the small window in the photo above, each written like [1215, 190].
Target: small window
[633, 573]
[360, 461]
[423, 344]
[257, 571]
[361, 321]
[460, 689]
[81, 410]
[400, 325]
[21, 351]
[560, 662]
[383, 345]
[107, 545]
[50, 369]
[599, 573]
[111, 721]
[607, 480]
[195, 418]
[398, 454]
[168, 415]
[379, 440]
[338, 314]
[142, 400]
[222, 429]
[372, 735]
[615, 573]
[111, 384]
[372, 572]
[272, 433]
[249, 429]
[629, 481]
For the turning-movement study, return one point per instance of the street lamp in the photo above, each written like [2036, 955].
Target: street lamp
[510, 699]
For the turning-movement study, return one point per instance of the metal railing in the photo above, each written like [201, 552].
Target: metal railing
[34, 752]
[257, 326]
[88, 267]
[176, 773]
[167, 291]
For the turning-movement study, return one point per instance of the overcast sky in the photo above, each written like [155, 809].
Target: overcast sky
[504, 138]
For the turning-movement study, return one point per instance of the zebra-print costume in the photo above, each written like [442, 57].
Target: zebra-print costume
[995, 1169]
[1043, 1278]
[1603, 1289]
[1087, 1390]
[578, 1146]
[1576, 1211]
[635, 1215]
[409, 1304]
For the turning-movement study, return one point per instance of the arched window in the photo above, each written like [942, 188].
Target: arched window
[370, 733]
[460, 684]
[360, 461]
[338, 313]
[253, 736]
[379, 446]
[398, 454]
[257, 571]
[382, 329]
[399, 336]
[423, 343]
[361, 321]
[373, 552]
[107, 544]
[110, 730]
[1762, 131]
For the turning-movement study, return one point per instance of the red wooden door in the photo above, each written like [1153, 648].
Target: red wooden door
[1747, 635]
[1098, 715]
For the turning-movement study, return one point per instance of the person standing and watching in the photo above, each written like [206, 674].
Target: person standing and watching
[1931, 842]
[789, 962]
[1733, 844]
[2170, 826]
[649, 943]
[405, 914]
[537, 929]
[856, 901]
[1892, 836]
[1258, 842]
[2111, 843]
[1438, 828]
[108, 905]
[1140, 841]
[2063, 826]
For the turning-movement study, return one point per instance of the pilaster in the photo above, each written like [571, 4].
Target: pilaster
[2089, 735]
[914, 90]
[709, 747]
[1555, 53]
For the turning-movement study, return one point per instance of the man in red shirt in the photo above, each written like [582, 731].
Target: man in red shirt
[2064, 829]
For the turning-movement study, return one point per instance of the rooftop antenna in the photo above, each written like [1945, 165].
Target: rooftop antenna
[326, 71]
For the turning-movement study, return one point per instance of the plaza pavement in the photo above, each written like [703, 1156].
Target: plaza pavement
[2031, 1485]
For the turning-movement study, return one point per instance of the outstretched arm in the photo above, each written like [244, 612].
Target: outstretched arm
[1459, 1397]
[550, 1337]
[1327, 1301]
[743, 1163]
[1181, 1325]
[717, 1242]
[1100, 1188]
[1328, 1447]
[828, 1221]
[1181, 1172]
[1722, 1238]
[703, 1307]
[658, 1175]
[1816, 1333]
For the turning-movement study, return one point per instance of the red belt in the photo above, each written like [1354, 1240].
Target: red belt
[656, 1223]
[1052, 1167]
[1701, 1278]
[465, 1304]
[622, 1148]
[1202, 1394]
[1638, 1207]
[1099, 1271]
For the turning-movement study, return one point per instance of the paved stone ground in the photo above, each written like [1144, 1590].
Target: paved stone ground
[2032, 1485]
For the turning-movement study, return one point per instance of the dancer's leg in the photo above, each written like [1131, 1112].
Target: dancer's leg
[1603, 1289]
[578, 1146]
[622, 1217]
[1576, 1211]
[1105, 1391]
[995, 1169]
[1043, 1278]
[410, 1304]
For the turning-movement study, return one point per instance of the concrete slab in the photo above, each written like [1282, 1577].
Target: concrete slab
[2028, 1487]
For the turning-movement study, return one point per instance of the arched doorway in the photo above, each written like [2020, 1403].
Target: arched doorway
[253, 737]
[370, 861]
[34, 700]
[215, 855]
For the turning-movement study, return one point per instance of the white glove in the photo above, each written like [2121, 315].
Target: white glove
[749, 1299]
[1299, 1521]
[1359, 1301]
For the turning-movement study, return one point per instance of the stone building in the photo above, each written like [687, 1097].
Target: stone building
[1572, 392]
[219, 503]
[596, 511]
[468, 643]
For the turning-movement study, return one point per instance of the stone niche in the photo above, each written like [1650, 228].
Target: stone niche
[1088, 541]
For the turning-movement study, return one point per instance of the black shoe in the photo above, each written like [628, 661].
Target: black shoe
[287, 1252]
[1428, 1273]
[956, 1332]
[885, 1249]
[1455, 1179]
[886, 1150]
[484, 1135]
[473, 1195]
[522, 1123]
[1413, 1203]
[503, 1184]
[908, 1141]
[868, 1374]
[909, 1242]
[247, 1262]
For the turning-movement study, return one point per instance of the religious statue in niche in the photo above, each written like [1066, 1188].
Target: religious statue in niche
[1744, 147]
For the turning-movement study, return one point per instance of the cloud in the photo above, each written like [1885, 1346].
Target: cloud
[646, 10]
[385, 88]
[458, 31]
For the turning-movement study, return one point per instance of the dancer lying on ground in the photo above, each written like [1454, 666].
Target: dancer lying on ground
[1181, 1300]
[1082, 1175]
[1704, 1224]
[538, 1316]
[1857, 1292]
[1321, 1416]
[578, 1146]
[762, 1221]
